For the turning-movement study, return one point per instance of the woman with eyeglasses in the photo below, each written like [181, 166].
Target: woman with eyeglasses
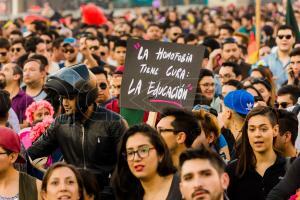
[206, 92]
[258, 167]
[144, 168]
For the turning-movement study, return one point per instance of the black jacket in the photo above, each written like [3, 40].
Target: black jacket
[91, 146]
[252, 186]
[287, 186]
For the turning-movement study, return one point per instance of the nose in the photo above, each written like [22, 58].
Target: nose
[62, 187]
[257, 133]
[198, 182]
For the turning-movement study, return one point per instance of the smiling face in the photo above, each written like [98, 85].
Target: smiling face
[285, 40]
[142, 166]
[200, 180]
[207, 87]
[261, 133]
[62, 184]
[69, 105]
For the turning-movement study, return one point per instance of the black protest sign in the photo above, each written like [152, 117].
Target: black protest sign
[160, 74]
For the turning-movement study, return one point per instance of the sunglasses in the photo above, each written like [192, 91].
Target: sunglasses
[3, 53]
[176, 34]
[284, 36]
[102, 53]
[103, 86]
[282, 105]
[94, 48]
[68, 50]
[47, 41]
[15, 49]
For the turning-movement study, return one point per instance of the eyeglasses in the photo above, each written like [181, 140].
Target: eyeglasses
[15, 49]
[176, 34]
[142, 152]
[94, 48]
[208, 85]
[161, 130]
[103, 86]
[284, 36]
[227, 76]
[3, 53]
[4, 153]
[68, 50]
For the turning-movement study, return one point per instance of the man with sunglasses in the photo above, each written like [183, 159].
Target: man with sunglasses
[104, 96]
[70, 49]
[4, 49]
[278, 60]
[173, 33]
[17, 50]
[287, 96]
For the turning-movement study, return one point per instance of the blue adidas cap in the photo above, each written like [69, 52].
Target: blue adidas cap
[239, 101]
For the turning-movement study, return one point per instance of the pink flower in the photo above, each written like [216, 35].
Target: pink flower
[40, 128]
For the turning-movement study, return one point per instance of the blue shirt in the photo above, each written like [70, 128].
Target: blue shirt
[277, 68]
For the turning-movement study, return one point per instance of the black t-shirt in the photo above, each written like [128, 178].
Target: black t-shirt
[252, 185]
[174, 192]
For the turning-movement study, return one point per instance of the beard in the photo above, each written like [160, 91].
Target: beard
[232, 59]
[2, 83]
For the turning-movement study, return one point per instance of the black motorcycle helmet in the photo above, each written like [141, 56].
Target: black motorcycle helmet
[77, 82]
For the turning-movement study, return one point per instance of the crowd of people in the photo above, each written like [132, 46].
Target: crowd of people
[63, 136]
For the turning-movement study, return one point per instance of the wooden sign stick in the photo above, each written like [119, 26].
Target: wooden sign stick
[152, 119]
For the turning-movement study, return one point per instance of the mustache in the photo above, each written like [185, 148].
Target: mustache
[200, 190]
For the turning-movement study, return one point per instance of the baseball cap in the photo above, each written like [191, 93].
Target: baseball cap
[10, 141]
[70, 41]
[239, 101]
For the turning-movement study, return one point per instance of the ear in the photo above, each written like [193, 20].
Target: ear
[275, 130]
[224, 180]
[13, 157]
[181, 137]
[44, 195]
[16, 77]
[288, 136]
[239, 77]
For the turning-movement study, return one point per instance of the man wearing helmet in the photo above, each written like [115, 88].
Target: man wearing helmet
[87, 135]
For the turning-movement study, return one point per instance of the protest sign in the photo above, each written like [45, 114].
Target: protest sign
[160, 74]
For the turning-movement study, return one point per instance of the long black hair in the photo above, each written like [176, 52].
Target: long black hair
[126, 186]
[247, 159]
